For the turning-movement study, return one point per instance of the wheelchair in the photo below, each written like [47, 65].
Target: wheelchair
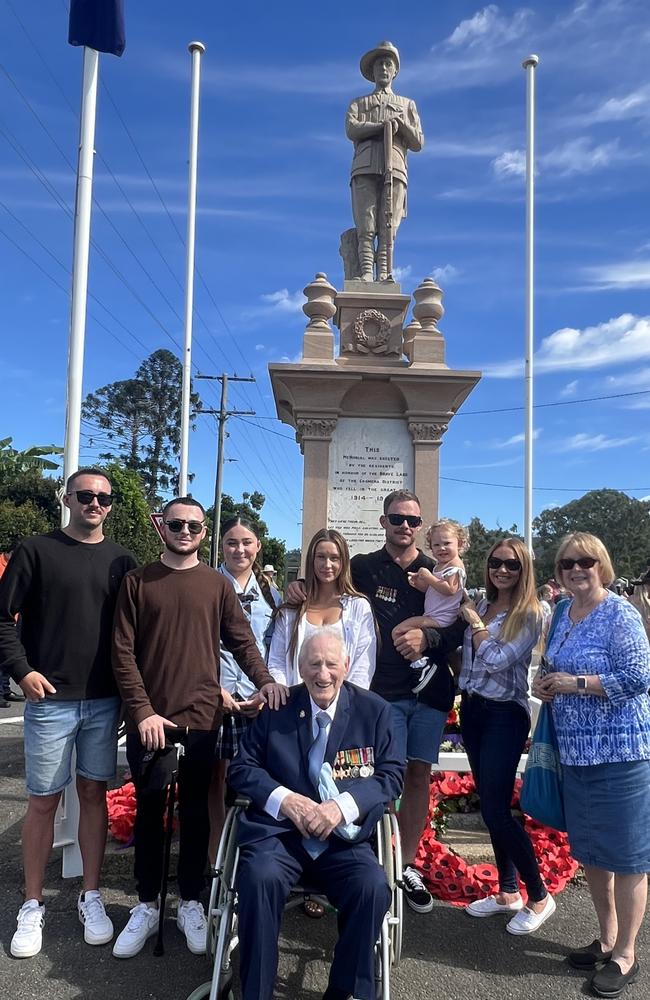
[222, 939]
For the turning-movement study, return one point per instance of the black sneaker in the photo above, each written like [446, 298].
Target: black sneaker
[417, 895]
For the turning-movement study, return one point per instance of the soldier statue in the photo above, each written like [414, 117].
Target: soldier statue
[383, 126]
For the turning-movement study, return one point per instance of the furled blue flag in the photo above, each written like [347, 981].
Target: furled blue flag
[99, 24]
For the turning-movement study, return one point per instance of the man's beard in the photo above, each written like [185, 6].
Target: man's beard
[180, 551]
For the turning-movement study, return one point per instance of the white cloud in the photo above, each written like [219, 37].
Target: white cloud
[401, 273]
[516, 439]
[640, 378]
[445, 274]
[577, 156]
[619, 340]
[595, 442]
[627, 274]
[569, 389]
[512, 163]
[259, 347]
[285, 301]
[489, 26]
[633, 105]
[581, 156]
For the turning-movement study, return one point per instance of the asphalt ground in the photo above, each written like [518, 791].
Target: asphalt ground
[446, 956]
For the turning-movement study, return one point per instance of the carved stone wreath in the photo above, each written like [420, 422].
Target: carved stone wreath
[372, 331]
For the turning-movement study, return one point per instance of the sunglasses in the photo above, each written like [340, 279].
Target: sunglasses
[247, 599]
[412, 520]
[87, 496]
[176, 525]
[512, 565]
[586, 562]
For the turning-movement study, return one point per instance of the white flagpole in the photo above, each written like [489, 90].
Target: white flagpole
[83, 208]
[529, 65]
[196, 49]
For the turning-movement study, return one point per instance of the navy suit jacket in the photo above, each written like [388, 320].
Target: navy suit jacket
[274, 751]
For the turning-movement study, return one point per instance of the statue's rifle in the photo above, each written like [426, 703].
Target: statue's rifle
[388, 195]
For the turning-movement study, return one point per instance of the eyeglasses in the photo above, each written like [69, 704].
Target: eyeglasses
[87, 496]
[247, 599]
[176, 525]
[585, 562]
[512, 565]
[412, 520]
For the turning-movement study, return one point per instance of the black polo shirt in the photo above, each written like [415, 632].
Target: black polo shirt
[386, 586]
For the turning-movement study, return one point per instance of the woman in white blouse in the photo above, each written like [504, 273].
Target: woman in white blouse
[331, 600]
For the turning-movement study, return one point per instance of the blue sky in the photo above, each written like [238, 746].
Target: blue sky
[273, 197]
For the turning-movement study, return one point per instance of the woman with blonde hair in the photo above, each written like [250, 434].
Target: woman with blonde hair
[597, 673]
[495, 721]
[331, 599]
[640, 599]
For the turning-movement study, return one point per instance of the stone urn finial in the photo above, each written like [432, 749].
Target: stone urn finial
[428, 308]
[319, 306]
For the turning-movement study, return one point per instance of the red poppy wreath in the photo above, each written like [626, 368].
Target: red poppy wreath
[449, 877]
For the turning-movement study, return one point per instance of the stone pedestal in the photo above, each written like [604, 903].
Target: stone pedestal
[369, 419]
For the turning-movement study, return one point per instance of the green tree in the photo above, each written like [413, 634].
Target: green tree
[138, 422]
[129, 522]
[621, 522]
[31, 486]
[17, 520]
[12, 460]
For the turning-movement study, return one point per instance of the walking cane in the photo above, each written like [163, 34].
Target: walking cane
[171, 800]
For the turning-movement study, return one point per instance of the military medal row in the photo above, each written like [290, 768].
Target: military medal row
[354, 763]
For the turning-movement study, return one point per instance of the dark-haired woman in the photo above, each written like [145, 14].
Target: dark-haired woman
[241, 547]
[331, 600]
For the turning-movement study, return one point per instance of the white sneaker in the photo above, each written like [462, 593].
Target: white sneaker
[490, 905]
[527, 921]
[28, 938]
[98, 928]
[143, 922]
[191, 921]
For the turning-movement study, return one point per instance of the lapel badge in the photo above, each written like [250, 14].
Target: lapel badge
[302, 714]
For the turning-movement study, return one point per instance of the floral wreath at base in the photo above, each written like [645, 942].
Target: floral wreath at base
[450, 878]
[121, 806]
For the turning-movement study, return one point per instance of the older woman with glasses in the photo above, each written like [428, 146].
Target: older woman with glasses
[597, 677]
[495, 722]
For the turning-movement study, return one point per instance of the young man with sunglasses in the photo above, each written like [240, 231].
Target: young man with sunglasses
[64, 586]
[170, 619]
[418, 721]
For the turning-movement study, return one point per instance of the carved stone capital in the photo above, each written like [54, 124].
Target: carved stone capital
[425, 431]
[315, 428]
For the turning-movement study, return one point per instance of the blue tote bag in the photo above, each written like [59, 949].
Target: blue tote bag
[541, 793]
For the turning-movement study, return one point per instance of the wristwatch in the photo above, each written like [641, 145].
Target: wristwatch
[581, 684]
[478, 627]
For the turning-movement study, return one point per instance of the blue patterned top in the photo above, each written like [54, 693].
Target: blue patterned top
[499, 670]
[610, 642]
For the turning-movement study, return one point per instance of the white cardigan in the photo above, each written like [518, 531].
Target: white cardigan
[358, 632]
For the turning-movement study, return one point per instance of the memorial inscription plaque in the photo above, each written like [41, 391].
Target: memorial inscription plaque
[369, 457]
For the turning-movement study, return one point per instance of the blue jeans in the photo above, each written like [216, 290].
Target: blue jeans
[417, 729]
[494, 734]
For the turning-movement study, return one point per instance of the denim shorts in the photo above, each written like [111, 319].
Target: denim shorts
[607, 809]
[417, 729]
[54, 728]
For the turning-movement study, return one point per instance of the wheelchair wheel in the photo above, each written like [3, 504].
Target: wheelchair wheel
[383, 962]
[389, 853]
[222, 915]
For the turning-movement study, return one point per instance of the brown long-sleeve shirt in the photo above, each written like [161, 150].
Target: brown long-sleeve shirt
[168, 627]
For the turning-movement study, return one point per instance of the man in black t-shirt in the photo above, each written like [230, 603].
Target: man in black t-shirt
[418, 722]
[64, 585]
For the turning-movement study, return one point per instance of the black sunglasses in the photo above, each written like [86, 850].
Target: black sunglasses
[585, 562]
[176, 525]
[512, 565]
[87, 496]
[412, 520]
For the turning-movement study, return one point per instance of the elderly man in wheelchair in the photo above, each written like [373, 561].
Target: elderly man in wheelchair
[319, 773]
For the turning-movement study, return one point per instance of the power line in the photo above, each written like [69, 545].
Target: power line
[559, 402]
[549, 489]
